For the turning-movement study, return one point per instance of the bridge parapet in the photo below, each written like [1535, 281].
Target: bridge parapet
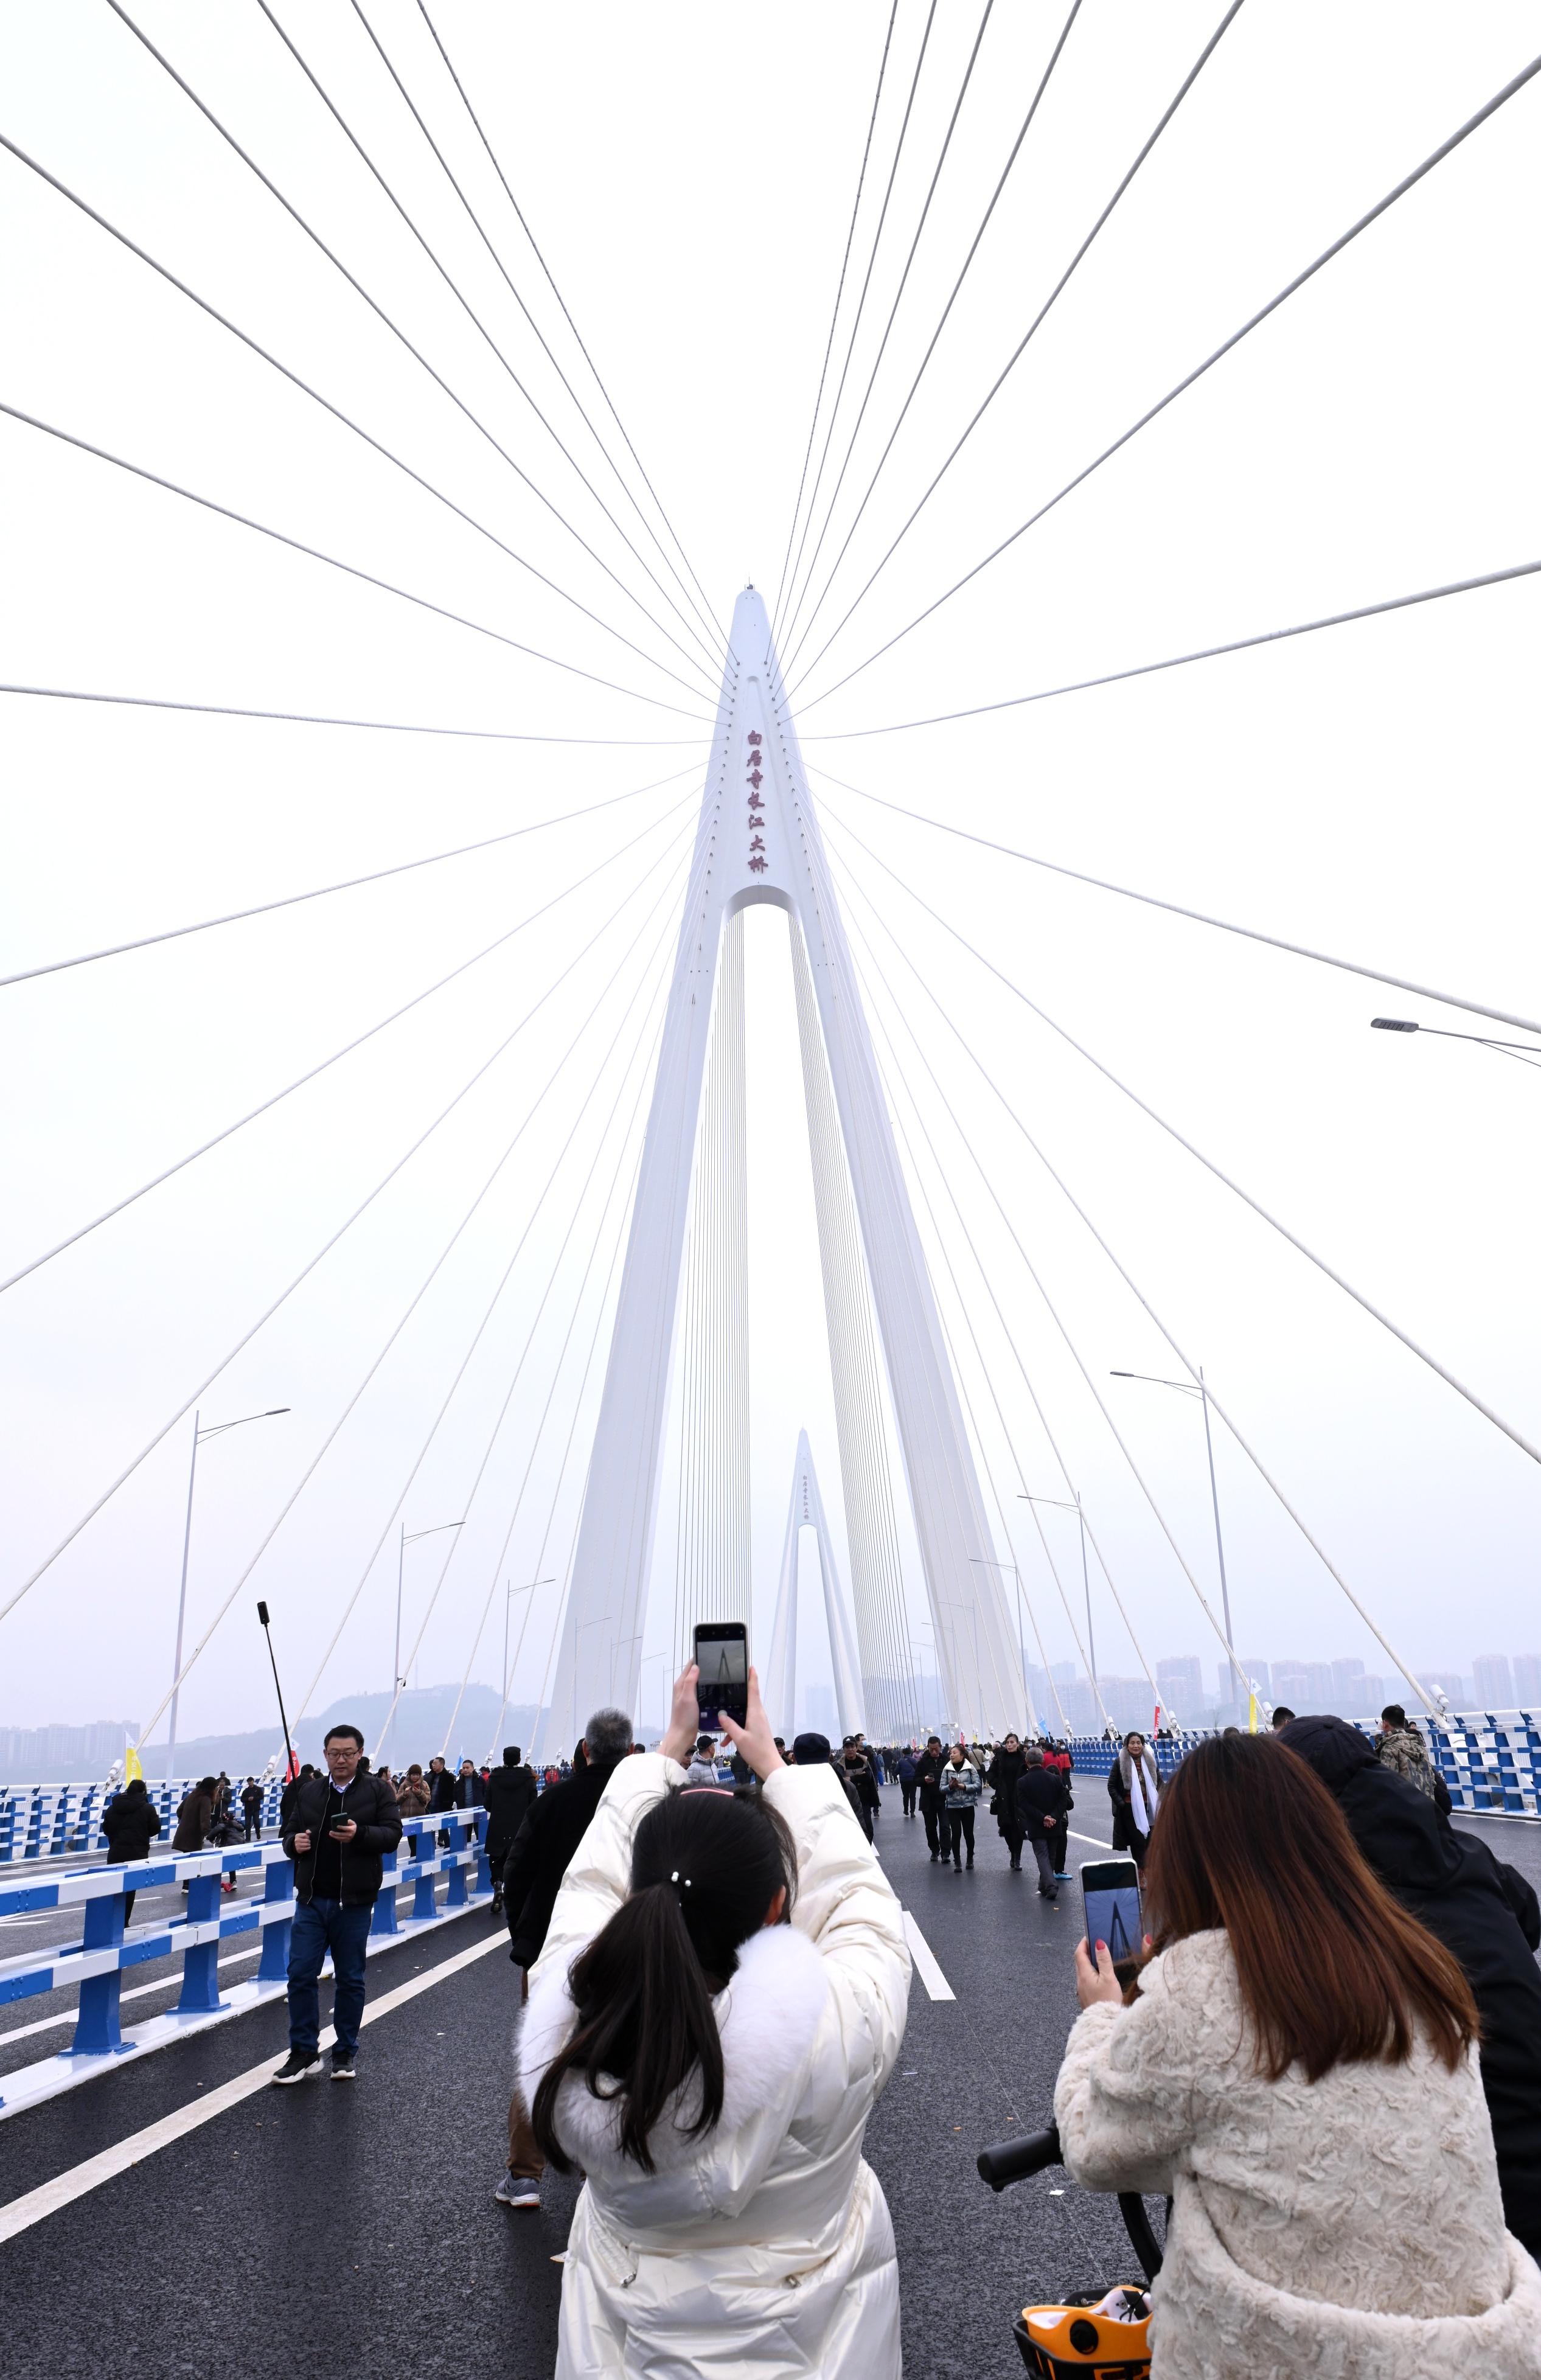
[95, 1965]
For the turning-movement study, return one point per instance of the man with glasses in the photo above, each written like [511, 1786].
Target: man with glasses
[338, 1831]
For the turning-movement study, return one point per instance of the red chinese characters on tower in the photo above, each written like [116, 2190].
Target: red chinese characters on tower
[754, 770]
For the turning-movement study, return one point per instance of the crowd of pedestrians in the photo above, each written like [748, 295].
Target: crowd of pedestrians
[1328, 2056]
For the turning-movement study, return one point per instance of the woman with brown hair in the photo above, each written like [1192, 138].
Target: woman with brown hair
[1295, 2063]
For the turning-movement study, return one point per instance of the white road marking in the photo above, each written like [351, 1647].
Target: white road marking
[921, 1952]
[1089, 1839]
[34, 2206]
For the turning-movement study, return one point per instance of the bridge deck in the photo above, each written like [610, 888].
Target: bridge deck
[353, 2228]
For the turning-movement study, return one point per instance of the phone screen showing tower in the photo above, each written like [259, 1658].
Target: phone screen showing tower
[723, 1659]
[1111, 1897]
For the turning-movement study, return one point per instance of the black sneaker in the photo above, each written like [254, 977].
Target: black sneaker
[297, 2065]
[343, 2067]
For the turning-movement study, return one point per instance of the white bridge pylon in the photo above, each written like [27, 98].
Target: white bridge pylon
[807, 1511]
[759, 841]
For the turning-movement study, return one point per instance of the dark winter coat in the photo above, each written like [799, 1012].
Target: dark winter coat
[251, 1801]
[441, 1791]
[510, 1797]
[1484, 1912]
[195, 1816]
[1001, 1776]
[470, 1792]
[130, 1821]
[541, 1852]
[927, 1769]
[372, 1808]
[1042, 1801]
[860, 1774]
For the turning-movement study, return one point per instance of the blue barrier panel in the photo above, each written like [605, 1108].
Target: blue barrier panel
[96, 1963]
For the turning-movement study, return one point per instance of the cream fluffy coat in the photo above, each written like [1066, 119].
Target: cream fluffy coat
[1350, 2229]
[762, 2251]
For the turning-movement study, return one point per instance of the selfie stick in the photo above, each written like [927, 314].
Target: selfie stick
[292, 1765]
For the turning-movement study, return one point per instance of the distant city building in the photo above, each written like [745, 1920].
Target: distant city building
[64, 1754]
[1347, 1680]
[1491, 1683]
[1527, 1679]
[1181, 1683]
[1258, 1670]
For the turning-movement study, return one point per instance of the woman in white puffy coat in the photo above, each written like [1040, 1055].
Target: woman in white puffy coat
[728, 2225]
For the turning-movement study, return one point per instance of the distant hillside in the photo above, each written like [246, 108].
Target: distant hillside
[418, 1730]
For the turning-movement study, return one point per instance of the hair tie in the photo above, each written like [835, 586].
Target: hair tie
[674, 1878]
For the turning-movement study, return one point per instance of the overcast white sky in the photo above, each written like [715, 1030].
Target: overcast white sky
[690, 172]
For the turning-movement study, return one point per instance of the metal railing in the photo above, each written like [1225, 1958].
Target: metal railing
[108, 1948]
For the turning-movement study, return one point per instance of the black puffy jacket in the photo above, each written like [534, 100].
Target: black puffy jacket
[129, 1820]
[1003, 1777]
[1484, 1912]
[372, 1808]
[510, 1797]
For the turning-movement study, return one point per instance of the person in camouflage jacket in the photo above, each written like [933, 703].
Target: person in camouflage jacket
[1402, 1750]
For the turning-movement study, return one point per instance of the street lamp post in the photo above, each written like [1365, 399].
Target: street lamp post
[215, 1429]
[509, 1592]
[1061, 1506]
[1188, 1388]
[986, 1561]
[397, 1680]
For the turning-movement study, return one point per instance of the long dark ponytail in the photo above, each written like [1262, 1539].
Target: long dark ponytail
[705, 1869]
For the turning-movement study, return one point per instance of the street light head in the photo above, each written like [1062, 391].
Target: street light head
[273, 1411]
[263, 1614]
[1392, 1025]
[1122, 1376]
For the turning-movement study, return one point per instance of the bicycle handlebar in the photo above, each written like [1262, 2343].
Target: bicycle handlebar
[1007, 2161]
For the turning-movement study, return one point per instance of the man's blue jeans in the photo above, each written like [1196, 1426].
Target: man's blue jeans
[320, 1926]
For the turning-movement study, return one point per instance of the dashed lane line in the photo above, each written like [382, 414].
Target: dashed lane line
[1089, 1839]
[35, 2205]
[926, 1964]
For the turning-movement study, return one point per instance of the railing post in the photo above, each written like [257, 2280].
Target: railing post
[274, 1966]
[97, 2029]
[483, 1871]
[200, 1961]
[423, 1897]
[384, 1918]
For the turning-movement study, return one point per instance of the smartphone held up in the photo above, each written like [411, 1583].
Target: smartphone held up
[722, 1658]
[1110, 1899]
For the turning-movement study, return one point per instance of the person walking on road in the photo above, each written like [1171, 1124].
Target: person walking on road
[1001, 1776]
[412, 1792]
[340, 1828]
[928, 1773]
[740, 1961]
[1402, 1750]
[252, 1808]
[1042, 1803]
[510, 1797]
[539, 1858]
[468, 1793]
[703, 1762]
[908, 1784]
[1133, 1788]
[863, 1781]
[130, 1822]
[960, 1789]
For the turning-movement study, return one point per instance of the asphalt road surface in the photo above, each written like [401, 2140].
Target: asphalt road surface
[352, 2229]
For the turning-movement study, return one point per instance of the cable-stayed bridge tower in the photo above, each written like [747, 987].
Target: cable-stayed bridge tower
[759, 841]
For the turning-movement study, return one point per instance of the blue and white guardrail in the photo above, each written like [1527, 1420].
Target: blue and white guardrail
[95, 1965]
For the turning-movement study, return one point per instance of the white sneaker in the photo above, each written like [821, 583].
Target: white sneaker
[514, 2190]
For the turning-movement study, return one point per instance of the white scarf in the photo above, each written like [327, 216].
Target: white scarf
[1137, 1775]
